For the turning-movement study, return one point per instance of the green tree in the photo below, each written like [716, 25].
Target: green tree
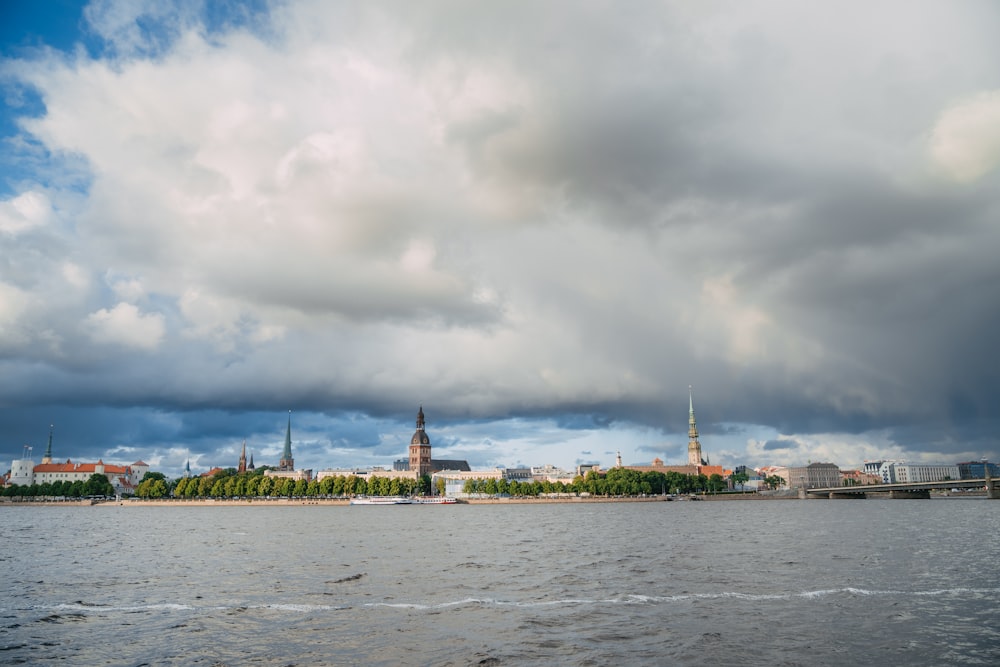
[157, 488]
[424, 485]
[774, 481]
[739, 479]
[98, 485]
[715, 483]
[179, 488]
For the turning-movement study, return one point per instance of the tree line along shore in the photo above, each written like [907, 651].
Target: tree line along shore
[232, 485]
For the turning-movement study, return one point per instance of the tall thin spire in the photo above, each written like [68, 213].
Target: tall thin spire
[48, 450]
[242, 467]
[694, 447]
[287, 462]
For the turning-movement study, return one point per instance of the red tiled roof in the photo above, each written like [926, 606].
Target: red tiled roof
[80, 467]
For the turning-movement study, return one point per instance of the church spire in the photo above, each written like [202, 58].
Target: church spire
[243, 459]
[48, 450]
[694, 447]
[287, 462]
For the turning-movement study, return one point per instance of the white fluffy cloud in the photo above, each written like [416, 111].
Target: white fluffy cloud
[25, 211]
[966, 138]
[126, 325]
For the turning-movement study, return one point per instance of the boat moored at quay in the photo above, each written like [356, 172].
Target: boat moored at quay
[400, 500]
[381, 500]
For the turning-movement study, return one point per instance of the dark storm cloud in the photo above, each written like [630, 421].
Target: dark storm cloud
[780, 444]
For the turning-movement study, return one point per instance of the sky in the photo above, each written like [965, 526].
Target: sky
[542, 222]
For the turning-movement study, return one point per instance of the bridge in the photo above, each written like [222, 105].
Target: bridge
[904, 489]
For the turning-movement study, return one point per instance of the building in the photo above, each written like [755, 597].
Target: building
[287, 463]
[977, 470]
[899, 473]
[421, 462]
[286, 466]
[697, 463]
[812, 476]
[859, 478]
[550, 473]
[123, 478]
[420, 448]
[242, 466]
[694, 446]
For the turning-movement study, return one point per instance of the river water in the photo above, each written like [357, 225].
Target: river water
[891, 582]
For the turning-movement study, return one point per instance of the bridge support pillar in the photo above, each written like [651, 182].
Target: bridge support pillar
[898, 493]
[992, 492]
[846, 496]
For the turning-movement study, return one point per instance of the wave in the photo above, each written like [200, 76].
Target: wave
[684, 597]
[81, 608]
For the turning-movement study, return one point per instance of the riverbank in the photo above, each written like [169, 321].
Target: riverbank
[343, 502]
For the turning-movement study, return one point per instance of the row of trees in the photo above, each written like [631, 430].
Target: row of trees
[230, 484]
[96, 485]
[615, 482]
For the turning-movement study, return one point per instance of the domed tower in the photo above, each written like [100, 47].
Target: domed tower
[694, 447]
[420, 448]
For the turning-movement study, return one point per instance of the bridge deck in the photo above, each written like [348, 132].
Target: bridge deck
[903, 486]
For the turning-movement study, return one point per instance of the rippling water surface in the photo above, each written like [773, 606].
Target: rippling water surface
[778, 583]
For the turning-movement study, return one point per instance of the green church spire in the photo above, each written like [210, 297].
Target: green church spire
[287, 462]
[48, 450]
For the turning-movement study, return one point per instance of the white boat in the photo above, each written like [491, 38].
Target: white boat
[381, 500]
[435, 500]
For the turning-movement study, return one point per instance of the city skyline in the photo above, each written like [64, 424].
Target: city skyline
[541, 222]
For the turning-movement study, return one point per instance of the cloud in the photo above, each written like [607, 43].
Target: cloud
[965, 141]
[542, 222]
[771, 445]
[21, 213]
[126, 325]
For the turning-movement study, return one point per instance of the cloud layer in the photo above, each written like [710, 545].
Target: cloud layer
[513, 212]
